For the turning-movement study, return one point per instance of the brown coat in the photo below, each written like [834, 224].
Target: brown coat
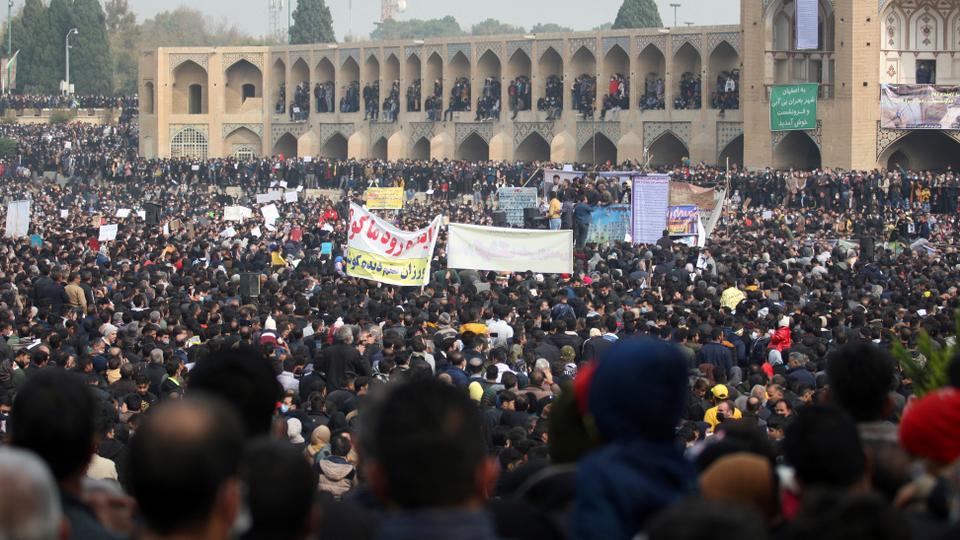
[76, 296]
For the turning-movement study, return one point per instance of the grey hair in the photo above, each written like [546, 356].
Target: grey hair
[344, 334]
[31, 504]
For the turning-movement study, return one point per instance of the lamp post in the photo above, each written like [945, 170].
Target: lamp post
[71, 32]
[675, 6]
[9, 40]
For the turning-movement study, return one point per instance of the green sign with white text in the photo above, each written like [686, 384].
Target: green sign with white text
[793, 106]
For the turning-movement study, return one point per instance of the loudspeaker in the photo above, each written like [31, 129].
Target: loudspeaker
[867, 248]
[249, 285]
[529, 215]
[500, 219]
[151, 213]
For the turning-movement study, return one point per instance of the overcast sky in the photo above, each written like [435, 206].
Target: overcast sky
[251, 15]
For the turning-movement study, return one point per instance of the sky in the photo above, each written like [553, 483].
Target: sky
[251, 15]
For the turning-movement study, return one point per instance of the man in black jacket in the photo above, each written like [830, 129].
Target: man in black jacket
[49, 293]
[341, 357]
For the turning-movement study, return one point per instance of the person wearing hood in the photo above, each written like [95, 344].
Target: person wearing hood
[337, 475]
[636, 397]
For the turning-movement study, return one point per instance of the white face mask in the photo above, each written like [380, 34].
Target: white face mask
[754, 335]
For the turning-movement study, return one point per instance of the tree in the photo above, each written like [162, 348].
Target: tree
[40, 63]
[91, 62]
[124, 41]
[188, 27]
[549, 28]
[493, 27]
[417, 29]
[312, 23]
[604, 26]
[638, 14]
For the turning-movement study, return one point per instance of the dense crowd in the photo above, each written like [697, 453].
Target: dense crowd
[414, 100]
[552, 100]
[21, 102]
[488, 103]
[519, 94]
[689, 95]
[325, 96]
[350, 102]
[584, 94]
[653, 95]
[743, 388]
[726, 95]
[459, 98]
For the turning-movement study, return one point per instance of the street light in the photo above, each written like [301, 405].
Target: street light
[9, 39]
[674, 6]
[71, 32]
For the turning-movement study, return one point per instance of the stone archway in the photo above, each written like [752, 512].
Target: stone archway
[533, 148]
[797, 151]
[473, 148]
[335, 147]
[190, 89]
[732, 151]
[286, 145]
[667, 149]
[598, 149]
[922, 150]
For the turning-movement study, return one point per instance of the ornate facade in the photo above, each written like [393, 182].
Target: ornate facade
[205, 102]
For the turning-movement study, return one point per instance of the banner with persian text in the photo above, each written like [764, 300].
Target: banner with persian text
[683, 220]
[651, 197]
[379, 251]
[513, 200]
[919, 106]
[384, 198]
[509, 250]
[793, 107]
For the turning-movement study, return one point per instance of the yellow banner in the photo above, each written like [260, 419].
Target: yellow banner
[404, 272]
[385, 198]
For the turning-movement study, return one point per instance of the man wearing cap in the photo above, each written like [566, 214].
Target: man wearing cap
[719, 394]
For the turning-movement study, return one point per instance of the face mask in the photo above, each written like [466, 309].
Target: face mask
[754, 335]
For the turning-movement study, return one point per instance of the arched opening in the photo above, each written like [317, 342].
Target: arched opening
[350, 78]
[923, 149]
[489, 100]
[371, 70]
[392, 69]
[412, 75]
[723, 74]
[189, 89]
[391, 80]
[278, 94]
[781, 34]
[146, 98]
[667, 149]
[459, 73]
[533, 148]
[434, 74]
[652, 73]
[371, 87]
[615, 80]
[686, 69]
[325, 89]
[473, 148]
[379, 149]
[519, 72]
[189, 143]
[733, 151]
[300, 75]
[551, 81]
[285, 146]
[598, 149]
[421, 149]
[335, 147]
[243, 141]
[583, 66]
[798, 151]
[244, 81]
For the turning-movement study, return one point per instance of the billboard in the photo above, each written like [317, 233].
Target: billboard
[919, 106]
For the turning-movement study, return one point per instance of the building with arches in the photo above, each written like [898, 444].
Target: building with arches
[311, 99]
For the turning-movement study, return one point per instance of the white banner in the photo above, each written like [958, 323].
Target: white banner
[18, 219]
[808, 35]
[236, 213]
[649, 207]
[513, 200]
[270, 196]
[509, 250]
[270, 214]
[378, 251]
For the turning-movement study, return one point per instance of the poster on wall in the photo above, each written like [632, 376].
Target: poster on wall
[919, 106]
[609, 224]
[651, 197]
[807, 19]
[793, 106]
[683, 220]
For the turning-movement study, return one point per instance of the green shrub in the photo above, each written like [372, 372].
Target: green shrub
[62, 116]
[8, 147]
[926, 366]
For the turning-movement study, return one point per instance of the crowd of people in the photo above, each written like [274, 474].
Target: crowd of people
[653, 95]
[519, 92]
[488, 103]
[414, 100]
[391, 104]
[726, 95]
[22, 102]
[584, 94]
[459, 98]
[689, 96]
[350, 102]
[325, 95]
[300, 108]
[745, 387]
[552, 100]
[371, 101]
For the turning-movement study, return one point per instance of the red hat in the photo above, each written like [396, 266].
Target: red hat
[564, 276]
[931, 426]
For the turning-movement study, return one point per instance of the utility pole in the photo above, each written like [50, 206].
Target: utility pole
[675, 6]
[288, 20]
[71, 32]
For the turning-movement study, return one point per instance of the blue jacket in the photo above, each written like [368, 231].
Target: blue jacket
[718, 355]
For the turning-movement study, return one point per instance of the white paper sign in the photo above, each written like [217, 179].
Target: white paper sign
[108, 233]
[270, 196]
[64, 214]
[307, 159]
[195, 168]
[290, 197]
[256, 232]
[807, 25]
[236, 213]
[270, 214]
[18, 219]
[229, 232]
[142, 214]
[123, 213]
[283, 183]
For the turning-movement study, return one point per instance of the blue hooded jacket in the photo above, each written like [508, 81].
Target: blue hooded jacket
[637, 397]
